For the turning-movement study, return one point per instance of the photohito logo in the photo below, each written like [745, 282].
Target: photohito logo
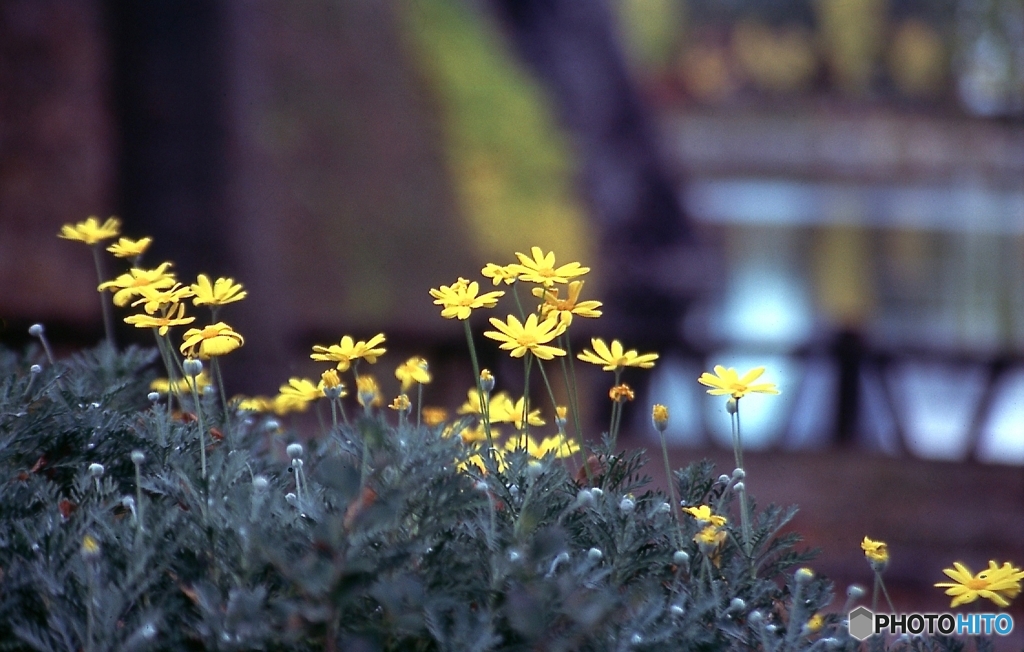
[863, 623]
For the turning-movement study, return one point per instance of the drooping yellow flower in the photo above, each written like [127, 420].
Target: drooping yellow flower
[564, 309]
[301, 389]
[621, 393]
[173, 317]
[91, 231]
[283, 404]
[509, 412]
[401, 403]
[616, 358]
[499, 406]
[508, 274]
[253, 403]
[434, 416]
[876, 551]
[997, 583]
[540, 268]
[128, 248]
[703, 514]
[154, 299]
[710, 538]
[220, 292]
[348, 350]
[533, 336]
[459, 300]
[368, 392]
[216, 339]
[182, 385]
[329, 380]
[412, 371]
[130, 284]
[549, 445]
[727, 381]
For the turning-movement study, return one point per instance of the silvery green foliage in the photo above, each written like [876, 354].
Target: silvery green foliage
[381, 544]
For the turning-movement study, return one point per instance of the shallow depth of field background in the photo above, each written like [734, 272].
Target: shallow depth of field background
[831, 188]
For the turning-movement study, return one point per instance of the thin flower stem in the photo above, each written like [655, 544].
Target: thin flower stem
[737, 439]
[320, 419]
[215, 365]
[737, 444]
[341, 408]
[202, 426]
[138, 499]
[519, 303]
[711, 580]
[881, 583]
[554, 405]
[527, 363]
[108, 318]
[90, 616]
[334, 415]
[874, 592]
[672, 491]
[613, 432]
[419, 404]
[479, 387]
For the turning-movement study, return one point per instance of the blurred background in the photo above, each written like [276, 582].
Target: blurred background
[831, 188]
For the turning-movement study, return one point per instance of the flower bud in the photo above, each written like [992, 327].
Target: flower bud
[96, 469]
[854, 592]
[291, 499]
[804, 575]
[594, 554]
[534, 469]
[724, 479]
[153, 396]
[636, 639]
[659, 416]
[738, 474]
[138, 457]
[35, 330]
[35, 369]
[732, 406]
[513, 556]
[597, 492]
[192, 367]
[294, 451]
[486, 381]
[680, 557]
[260, 483]
[664, 508]
[740, 487]
[755, 617]
[585, 498]
[272, 424]
[627, 505]
[676, 610]
[737, 604]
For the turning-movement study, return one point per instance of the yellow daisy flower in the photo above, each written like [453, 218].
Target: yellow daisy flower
[401, 403]
[710, 538]
[216, 339]
[459, 299]
[564, 309]
[412, 371]
[540, 268]
[368, 392]
[301, 389]
[154, 299]
[615, 357]
[220, 292]
[434, 416]
[997, 583]
[703, 514]
[876, 551]
[509, 412]
[330, 380]
[532, 336]
[549, 445]
[621, 393]
[128, 248]
[728, 382]
[163, 385]
[91, 231]
[130, 284]
[161, 322]
[508, 274]
[283, 404]
[253, 403]
[348, 350]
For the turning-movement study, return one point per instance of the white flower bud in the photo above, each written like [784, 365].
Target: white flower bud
[96, 469]
[192, 367]
[740, 487]
[664, 508]
[585, 498]
[153, 396]
[755, 617]
[594, 554]
[676, 610]
[854, 592]
[804, 575]
[138, 457]
[636, 639]
[723, 479]
[737, 604]
[481, 486]
[627, 505]
[35, 330]
[680, 557]
[732, 406]
[294, 450]
[272, 424]
[738, 474]
[597, 492]
[513, 556]
[291, 498]
[260, 482]
[534, 469]
[35, 369]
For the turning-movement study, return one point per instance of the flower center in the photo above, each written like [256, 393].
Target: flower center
[976, 584]
[527, 340]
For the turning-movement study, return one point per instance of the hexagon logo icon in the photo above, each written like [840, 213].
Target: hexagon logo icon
[861, 623]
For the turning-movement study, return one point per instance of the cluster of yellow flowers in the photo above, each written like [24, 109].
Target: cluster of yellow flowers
[163, 299]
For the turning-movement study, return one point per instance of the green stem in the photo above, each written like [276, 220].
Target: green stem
[554, 404]
[215, 366]
[108, 318]
[737, 442]
[334, 415]
[479, 388]
[671, 490]
[613, 433]
[419, 404]
[527, 363]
